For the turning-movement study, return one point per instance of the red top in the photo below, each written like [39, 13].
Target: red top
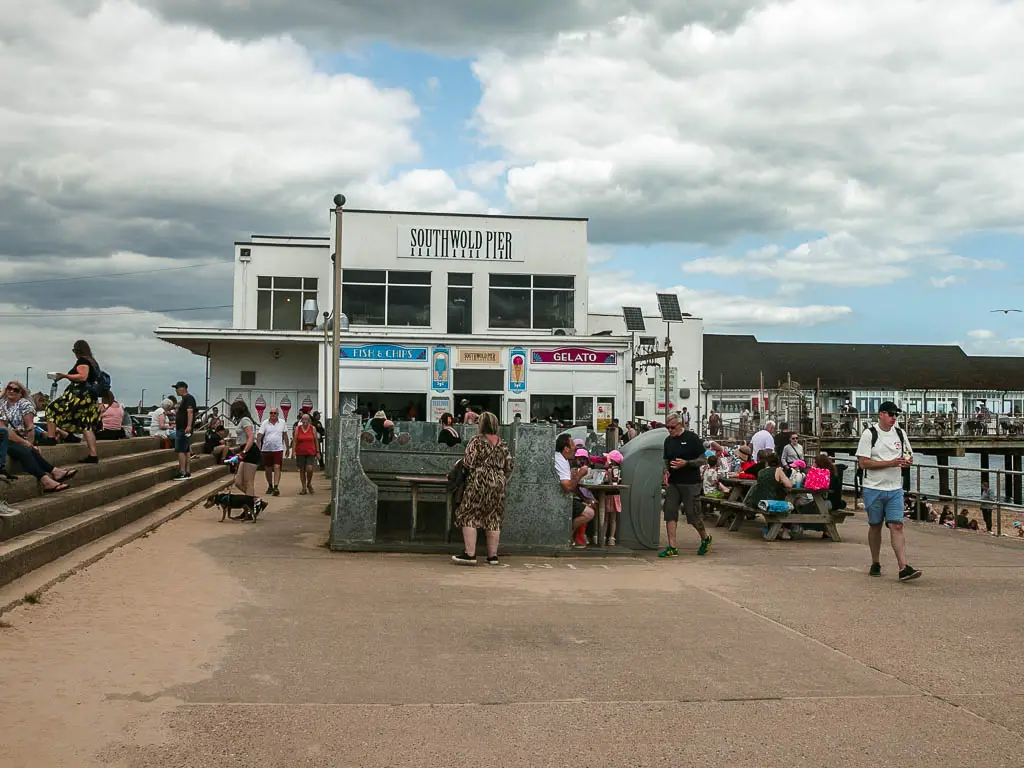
[305, 441]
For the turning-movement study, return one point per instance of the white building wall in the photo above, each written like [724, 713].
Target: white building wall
[278, 257]
[288, 369]
[687, 340]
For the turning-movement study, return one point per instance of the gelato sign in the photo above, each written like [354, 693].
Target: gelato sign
[573, 356]
[458, 244]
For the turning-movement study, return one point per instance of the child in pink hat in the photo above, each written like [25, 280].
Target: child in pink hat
[612, 501]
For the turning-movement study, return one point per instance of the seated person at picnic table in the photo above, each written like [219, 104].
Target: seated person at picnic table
[771, 483]
[711, 484]
[946, 518]
[752, 470]
[569, 480]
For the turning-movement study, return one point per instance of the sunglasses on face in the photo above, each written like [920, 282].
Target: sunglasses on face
[14, 389]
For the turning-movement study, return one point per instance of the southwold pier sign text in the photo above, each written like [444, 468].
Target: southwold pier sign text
[486, 245]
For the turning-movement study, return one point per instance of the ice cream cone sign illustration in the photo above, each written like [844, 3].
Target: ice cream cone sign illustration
[261, 406]
[441, 369]
[517, 370]
[286, 406]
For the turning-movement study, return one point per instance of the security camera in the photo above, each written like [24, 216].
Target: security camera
[276, 353]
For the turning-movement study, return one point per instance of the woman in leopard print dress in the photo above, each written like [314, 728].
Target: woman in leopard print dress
[489, 466]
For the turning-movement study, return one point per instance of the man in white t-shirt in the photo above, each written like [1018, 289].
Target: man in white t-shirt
[883, 452]
[764, 439]
[272, 438]
[582, 513]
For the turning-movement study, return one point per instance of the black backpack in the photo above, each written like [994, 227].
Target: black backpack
[874, 435]
[99, 385]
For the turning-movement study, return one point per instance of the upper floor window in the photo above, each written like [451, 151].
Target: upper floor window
[279, 301]
[532, 301]
[386, 297]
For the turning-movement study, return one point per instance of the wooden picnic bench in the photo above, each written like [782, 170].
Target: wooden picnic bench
[422, 488]
[733, 512]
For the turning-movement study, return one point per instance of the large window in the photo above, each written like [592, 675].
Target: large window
[460, 302]
[532, 301]
[385, 297]
[279, 301]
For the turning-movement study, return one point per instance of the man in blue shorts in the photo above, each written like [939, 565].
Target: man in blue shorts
[883, 452]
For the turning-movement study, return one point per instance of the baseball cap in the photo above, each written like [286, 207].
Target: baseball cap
[181, 385]
[889, 407]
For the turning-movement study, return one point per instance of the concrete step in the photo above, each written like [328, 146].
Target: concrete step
[30, 550]
[39, 512]
[62, 455]
[26, 487]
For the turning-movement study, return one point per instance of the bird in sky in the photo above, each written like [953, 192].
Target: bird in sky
[1005, 311]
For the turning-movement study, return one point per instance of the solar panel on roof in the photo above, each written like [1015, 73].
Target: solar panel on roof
[634, 319]
[668, 303]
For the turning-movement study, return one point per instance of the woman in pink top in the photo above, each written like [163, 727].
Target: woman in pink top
[112, 419]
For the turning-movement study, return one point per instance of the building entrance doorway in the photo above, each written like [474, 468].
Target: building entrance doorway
[479, 402]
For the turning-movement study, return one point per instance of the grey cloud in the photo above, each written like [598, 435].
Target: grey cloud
[469, 25]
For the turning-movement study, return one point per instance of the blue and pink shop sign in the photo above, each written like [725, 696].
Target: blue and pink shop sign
[573, 356]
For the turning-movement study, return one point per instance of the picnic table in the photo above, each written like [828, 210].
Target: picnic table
[601, 491]
[733, 512]
[416, 482]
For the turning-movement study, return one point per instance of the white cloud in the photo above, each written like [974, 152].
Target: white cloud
[610, 290]
[982, 334]
[486, 175]
[839, 259]
[892, 119]
[950, 261]
[944, 282]
[597, 254]
[121, 339]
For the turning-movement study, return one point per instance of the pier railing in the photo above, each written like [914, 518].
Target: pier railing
[1005, 485]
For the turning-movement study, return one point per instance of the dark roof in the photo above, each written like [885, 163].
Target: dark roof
[740, 360]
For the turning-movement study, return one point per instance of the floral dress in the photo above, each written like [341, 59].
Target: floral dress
[76, 410]
[489, 467]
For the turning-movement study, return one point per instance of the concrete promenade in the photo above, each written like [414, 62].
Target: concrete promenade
[209, 644]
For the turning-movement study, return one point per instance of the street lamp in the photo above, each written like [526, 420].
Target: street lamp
[142, 400]
[339, 204]
[27, 369]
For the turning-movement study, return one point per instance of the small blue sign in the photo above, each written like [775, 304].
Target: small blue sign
[386, 352]
[440, 369]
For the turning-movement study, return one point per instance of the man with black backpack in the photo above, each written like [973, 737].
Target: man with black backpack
[883, 452]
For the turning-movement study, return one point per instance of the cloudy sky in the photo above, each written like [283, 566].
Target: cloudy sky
[837, 170]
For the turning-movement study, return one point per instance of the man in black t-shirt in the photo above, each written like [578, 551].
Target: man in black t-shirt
[684, 456]
[183, 428]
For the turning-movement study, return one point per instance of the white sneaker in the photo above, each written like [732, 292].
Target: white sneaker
[611, 542]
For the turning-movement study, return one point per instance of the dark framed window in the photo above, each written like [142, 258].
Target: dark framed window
[460, 278]
[460, 310]
[532, 301]
[248, 379]
[279, 301]
[386, 297]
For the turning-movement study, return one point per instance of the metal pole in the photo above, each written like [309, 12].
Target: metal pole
[917, 494]
[208, 379]
[956, 493]
[339, 204]
[27, 369]
[142, 400]
[999, 511]
[668, 372]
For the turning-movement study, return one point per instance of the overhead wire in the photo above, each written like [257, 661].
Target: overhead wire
[114, 274]
[64, 313]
